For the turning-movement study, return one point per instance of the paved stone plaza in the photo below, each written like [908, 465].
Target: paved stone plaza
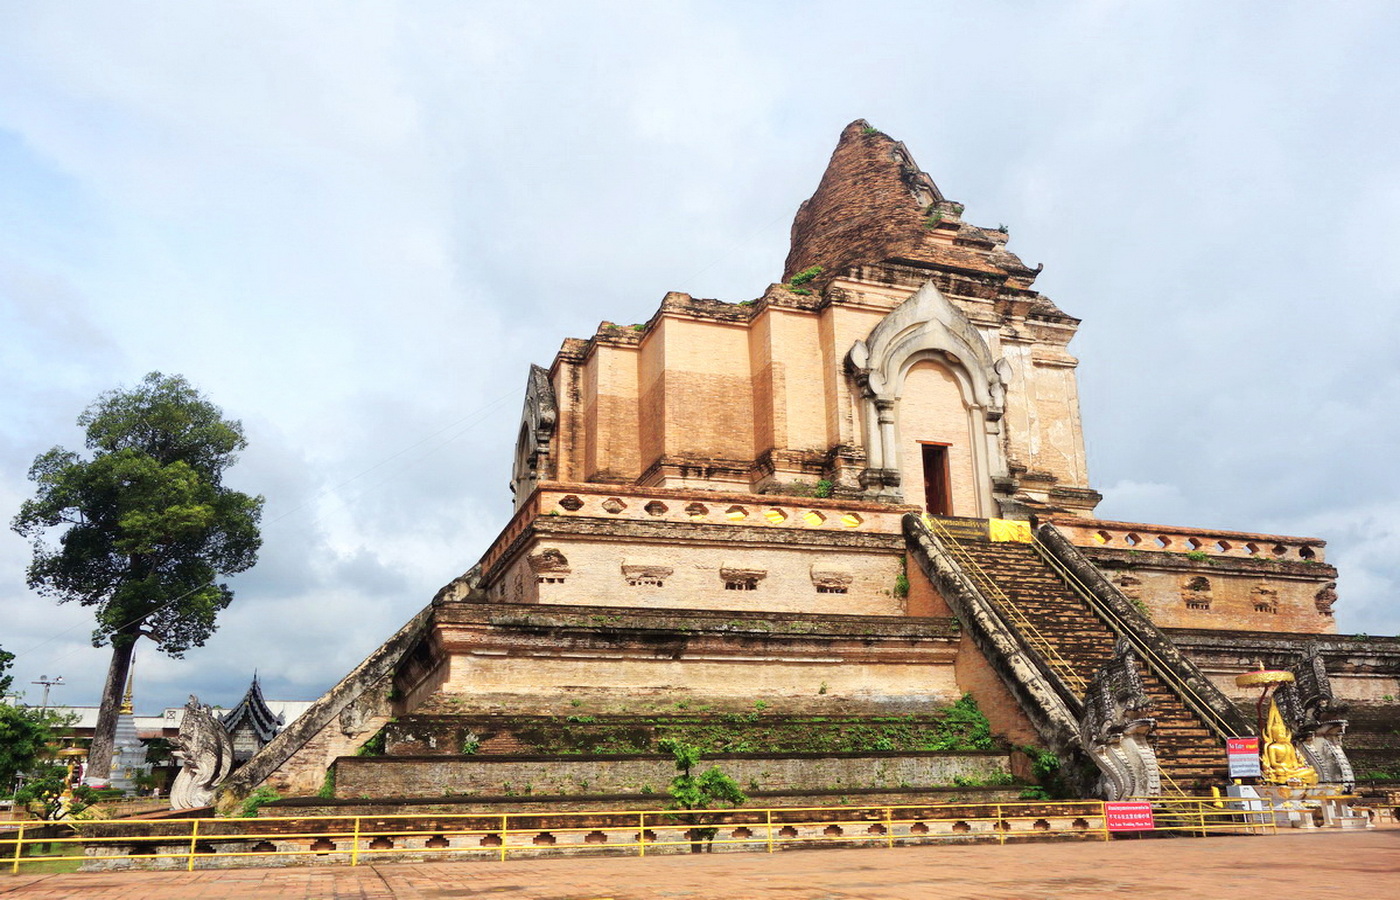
[1316, 865]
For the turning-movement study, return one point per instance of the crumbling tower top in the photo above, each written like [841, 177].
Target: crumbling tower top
[874, 205]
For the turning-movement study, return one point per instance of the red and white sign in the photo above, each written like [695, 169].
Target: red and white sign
[1243, 754]
[1128, 816]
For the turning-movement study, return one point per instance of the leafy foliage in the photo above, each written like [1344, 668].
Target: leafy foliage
[712, 787]
[374, 746]
[706, 791]
[26, 739]
[263, 796]
[958, 727]
[147, 525]
[327, 789]
[6, 659]
[805, 276]
[144, 528]
[1051, 781]
[42, 794]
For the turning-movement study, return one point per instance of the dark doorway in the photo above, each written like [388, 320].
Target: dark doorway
[938, 497]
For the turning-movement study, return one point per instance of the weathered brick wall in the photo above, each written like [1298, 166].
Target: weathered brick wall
[541, 657]
[433, 776]
[1225, 593]
[977, 677]
[1361, 669]
[863, 210]
[696, 581]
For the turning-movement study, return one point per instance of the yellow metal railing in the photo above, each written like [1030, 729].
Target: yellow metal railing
[1061, 666]
[187, 843]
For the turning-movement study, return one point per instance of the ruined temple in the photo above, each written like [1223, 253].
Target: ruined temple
[861, 494]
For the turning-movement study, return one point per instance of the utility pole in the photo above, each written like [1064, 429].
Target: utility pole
[48, 682]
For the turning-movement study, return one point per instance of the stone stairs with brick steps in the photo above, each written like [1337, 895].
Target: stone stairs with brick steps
[1075, 643]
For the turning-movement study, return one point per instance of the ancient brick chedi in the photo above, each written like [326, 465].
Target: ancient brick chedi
[902, 339]
[726, 502]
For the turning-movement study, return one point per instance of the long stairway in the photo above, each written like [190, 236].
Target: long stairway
[1189, 755]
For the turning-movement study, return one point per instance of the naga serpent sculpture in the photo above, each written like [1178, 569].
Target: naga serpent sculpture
[206, 756]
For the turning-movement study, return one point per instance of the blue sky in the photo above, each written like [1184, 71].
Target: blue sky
[355, 225]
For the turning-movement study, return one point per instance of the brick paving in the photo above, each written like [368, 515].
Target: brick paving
[1315, 865]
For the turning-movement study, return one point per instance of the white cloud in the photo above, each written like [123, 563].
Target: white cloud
[355, 227]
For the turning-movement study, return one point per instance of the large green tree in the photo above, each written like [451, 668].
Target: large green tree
[143, 529]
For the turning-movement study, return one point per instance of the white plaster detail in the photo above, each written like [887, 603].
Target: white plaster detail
[928, 327]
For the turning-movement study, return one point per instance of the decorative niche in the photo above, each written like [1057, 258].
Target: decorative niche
[641, 574]
[739, 578]
[549, 565]
[828, 581]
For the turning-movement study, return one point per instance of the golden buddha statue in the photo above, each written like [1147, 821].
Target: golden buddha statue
[1280, 760]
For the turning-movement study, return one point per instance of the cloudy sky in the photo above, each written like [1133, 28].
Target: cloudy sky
[354, 225]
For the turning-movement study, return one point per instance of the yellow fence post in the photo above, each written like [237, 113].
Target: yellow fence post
[194, 836]
[889, 827]
[505, 822]
[1103, 811]
[641, 834]
[769, 815]
[19, 843]
[355, 844]
[1001, 826]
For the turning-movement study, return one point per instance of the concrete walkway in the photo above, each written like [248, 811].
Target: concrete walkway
[1348, 865]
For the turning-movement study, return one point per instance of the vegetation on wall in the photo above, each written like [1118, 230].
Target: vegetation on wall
[1050, 780]
[261, 797]
[374, 746]
[901, 581]
[960, 727]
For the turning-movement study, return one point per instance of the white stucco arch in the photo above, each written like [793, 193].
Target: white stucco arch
[928, 327]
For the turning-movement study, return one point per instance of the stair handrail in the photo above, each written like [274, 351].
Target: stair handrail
[1057, 663]
[1131, 632]
[1053, 708]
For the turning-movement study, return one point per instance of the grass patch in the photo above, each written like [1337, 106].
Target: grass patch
[52, 856]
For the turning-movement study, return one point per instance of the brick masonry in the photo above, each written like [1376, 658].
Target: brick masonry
[427, 776]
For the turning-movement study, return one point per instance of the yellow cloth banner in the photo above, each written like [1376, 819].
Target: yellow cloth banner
[1007, 530]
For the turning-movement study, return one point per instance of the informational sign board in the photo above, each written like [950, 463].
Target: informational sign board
[1244, 757]
[1128, 816]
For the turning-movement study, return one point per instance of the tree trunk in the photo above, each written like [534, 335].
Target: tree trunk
[99, 762]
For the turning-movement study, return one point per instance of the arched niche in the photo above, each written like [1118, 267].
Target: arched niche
[927, 330]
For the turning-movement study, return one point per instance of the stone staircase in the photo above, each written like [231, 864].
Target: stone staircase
[1190, 756]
